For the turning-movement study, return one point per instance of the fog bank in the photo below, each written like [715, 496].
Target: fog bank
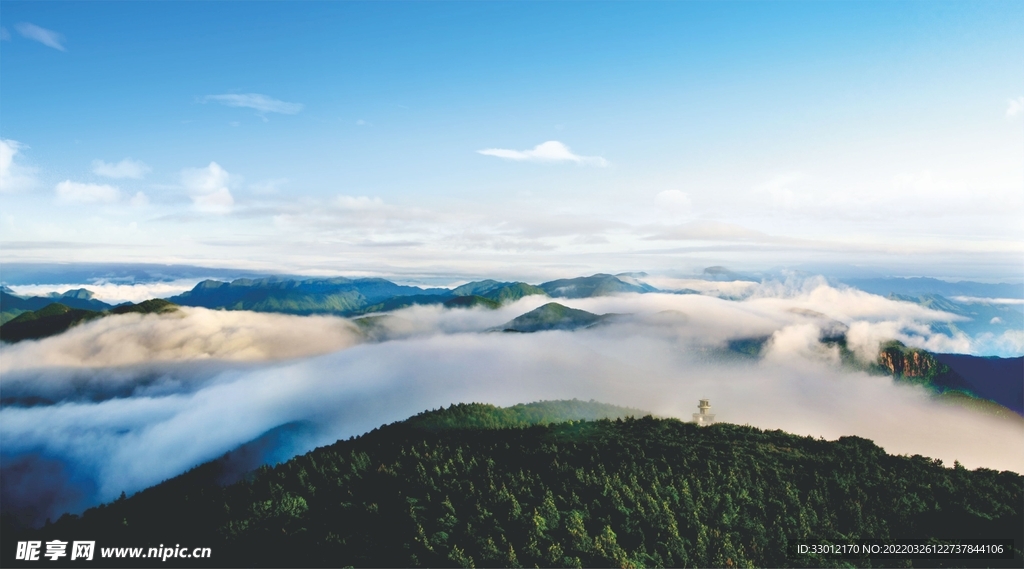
[143, 398]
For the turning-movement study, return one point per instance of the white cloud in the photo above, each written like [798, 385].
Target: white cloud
[261, 103]
[139, 200]
[44, 36]
[114, 292]
[980, 300]
[126, 168]
[1014, 107]
[208, 188]
[13, 176]
[358, 203]
[76, 192]
[550, 151]
[4, 34]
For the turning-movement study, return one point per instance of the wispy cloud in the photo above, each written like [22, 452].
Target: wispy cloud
[13, 176]
[261, 103]
[208, 188]
[75, 192]
[550, 151]
[4, 34]
[49, 38]
[126, 168]
[1014, 107]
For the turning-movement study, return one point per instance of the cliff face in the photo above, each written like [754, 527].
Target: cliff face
[908, 362]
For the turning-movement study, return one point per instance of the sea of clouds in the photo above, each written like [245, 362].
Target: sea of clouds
[124, 402]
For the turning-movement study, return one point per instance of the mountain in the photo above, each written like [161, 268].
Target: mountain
[996, 379]
[47, 321]
[722, 274]
[981, 316]
[972, 381]
[551, 316]
[151, 306]
[501, 292]
[476, 485]
[594, 285]
[991, 384]
[79, 298]
[918, 286]
[122, 273]
[402, 302]
[56, 318]
[309, 296]
[471, 301]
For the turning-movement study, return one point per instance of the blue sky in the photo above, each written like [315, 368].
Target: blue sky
[525, 140]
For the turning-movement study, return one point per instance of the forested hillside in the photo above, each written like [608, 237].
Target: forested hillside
[56, 318]
[474, 485]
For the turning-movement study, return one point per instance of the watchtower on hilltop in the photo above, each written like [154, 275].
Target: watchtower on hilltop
[704, 418]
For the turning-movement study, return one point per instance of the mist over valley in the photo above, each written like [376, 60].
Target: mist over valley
[120, 403]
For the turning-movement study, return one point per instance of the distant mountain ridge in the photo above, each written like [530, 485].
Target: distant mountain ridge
[498, 291]
[918, 286]
[77, 298]
[594, 285]
[337, 295]
[349, 297]
[11, 305]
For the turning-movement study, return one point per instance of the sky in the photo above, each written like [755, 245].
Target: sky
[517, 140]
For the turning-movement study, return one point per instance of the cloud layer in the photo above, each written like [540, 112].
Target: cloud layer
[112, 292]
[143, 398]
[186, 335]
[550, 151]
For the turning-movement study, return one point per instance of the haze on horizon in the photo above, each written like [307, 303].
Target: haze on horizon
[515, 140]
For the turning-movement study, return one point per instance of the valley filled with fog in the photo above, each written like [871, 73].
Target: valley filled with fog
[127, 401]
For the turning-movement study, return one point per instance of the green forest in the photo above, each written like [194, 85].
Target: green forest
[545, 485]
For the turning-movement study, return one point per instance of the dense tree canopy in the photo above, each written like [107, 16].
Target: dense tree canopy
[474, 485]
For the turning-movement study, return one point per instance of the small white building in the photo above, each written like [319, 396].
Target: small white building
[704, 418]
